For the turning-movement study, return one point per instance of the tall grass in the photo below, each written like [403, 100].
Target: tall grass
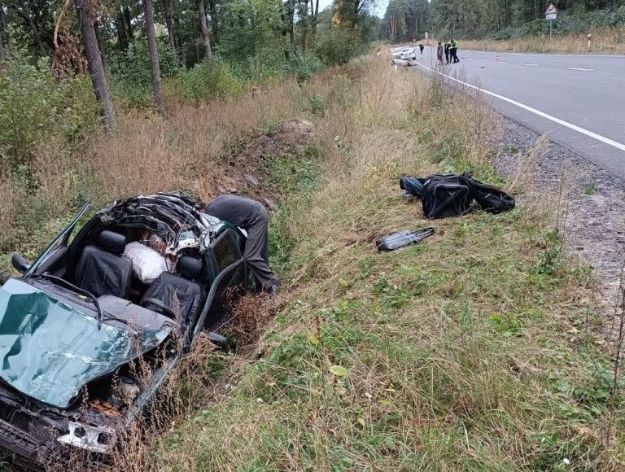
[604, 41]
[191, 149]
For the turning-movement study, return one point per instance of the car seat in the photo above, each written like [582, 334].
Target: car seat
[177, 295]
[102, 269]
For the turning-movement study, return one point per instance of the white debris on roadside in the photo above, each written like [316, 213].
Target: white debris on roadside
[404, 56]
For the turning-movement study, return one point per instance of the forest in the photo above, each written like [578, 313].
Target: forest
[406, 20]
[142, 59]
[194, 49]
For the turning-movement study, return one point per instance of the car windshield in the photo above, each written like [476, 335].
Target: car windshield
[51, 350]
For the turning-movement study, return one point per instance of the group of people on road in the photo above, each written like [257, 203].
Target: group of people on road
[449, 50]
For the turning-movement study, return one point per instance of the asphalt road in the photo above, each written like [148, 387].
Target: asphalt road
[577, 100]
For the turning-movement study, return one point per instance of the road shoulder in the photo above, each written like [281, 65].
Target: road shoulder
[590, 199]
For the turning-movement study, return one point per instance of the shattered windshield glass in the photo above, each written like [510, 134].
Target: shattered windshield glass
[49, 350]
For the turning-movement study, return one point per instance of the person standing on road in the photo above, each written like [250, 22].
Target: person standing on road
[421, 47]
[453, 50]
[439, 53]
[447, 53]
[252, 217]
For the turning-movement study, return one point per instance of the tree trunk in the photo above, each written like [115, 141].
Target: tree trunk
[169, 22]
[94, 63]
[291, 22]
[155, 68]
[212, 6]
[3, 52]
[284, 32]
[206, 41]
[122, 34]
[305, 21]
[128, 19]
[314, 23]
[26, 14]
[98, 35]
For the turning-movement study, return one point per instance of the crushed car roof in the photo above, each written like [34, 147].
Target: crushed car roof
[176, 217]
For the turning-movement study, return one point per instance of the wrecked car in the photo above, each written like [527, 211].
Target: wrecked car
[77, 320]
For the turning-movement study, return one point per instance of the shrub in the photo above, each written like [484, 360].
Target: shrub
[130, 71]
[303, 66]
[30, 99]
[206, 80]
[265, 65]
[339, 45]
[34, 106]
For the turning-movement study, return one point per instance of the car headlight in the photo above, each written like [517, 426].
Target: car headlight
[91, 438]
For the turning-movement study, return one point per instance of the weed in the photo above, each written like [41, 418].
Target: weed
[590, 189]
[317, 105]
[512, 149]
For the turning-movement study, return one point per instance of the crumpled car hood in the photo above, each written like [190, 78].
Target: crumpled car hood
[49, 350]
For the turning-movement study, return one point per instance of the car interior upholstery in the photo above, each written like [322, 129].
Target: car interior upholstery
[102, 269]
[182, 294]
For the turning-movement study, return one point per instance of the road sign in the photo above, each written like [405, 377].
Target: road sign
[551, 9]
[551, 13]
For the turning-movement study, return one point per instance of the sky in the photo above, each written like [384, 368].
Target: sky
[378, 9]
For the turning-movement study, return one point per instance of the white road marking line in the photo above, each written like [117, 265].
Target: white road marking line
[546, 54]
[531, 65]
[582, 69]
[566, 124]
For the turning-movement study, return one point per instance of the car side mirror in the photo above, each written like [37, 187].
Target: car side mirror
[20, 263]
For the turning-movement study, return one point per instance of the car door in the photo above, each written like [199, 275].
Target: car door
[229, 274]
[54, 257]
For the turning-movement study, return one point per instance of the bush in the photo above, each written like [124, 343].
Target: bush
[303, 66]
[339, 45]
[34, 106]
[206, 80]
[263, 66]
[130, 71]
[29, 101]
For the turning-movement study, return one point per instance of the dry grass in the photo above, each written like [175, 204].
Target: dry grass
[190, 149]
[7, 211]
[604, 41]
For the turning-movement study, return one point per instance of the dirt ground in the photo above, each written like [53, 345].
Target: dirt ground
[592, 212]
[246, 172]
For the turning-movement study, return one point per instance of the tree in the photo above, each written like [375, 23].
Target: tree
[253, 29]
[348, 12]
[94, 62]
[208, 52]
[213, 9]
[155, 70]
[123, 40]
[169, 22]
[304, 22]
[290, 20]
[25, 12]
[315, 19]
[3, 53]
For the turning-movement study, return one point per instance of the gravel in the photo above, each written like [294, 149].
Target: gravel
[593, 221]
